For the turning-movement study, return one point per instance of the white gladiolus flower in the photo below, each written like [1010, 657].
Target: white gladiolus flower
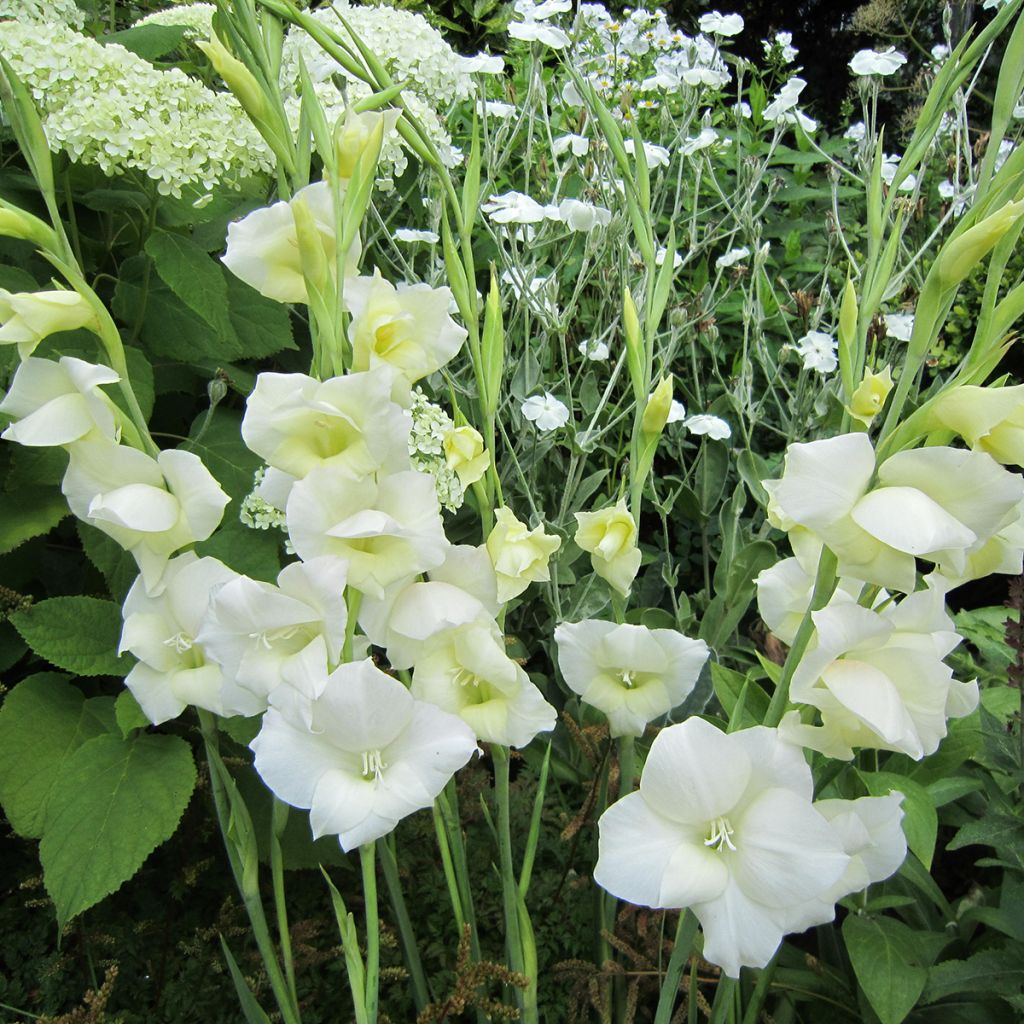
[388, 530]
[151, 507]
[546, 411]
[407, 328]
[656, 156]
[296, 423]
[631, 673]
[59, 403]
[878, 679]
[731, 258]
[579, 145]
[818, 351]
[411, 235]
[714, 427]
[514, 208]
[518, 554]
[371, 755]
[263, 247]
[253, 630]
[465, 671]
[724, 824]
[161, 631]
[899, 325]
[579, 216]
[28, 317]
[870, 62]
[610, 537]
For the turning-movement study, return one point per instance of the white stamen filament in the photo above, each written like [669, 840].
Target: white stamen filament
[373, 765]
[466, 678]
[626, 676]
[181, 642]
[720, 835]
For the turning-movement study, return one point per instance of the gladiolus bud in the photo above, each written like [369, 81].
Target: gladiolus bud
[658, 407]
[870, 396]
[239, 79]
[15, 223]
[964, 253]
[465, 454]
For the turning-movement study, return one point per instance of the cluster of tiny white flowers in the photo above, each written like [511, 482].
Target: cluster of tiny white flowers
[408, 47]
[257, 513]
[104, 105]
[643, 52]
[430, 425]
[196, 19]
[61, 12]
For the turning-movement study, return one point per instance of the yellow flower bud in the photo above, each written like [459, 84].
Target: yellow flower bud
[519, 555]
[991, 419]
[870, 396]
[464, 453]
[965, 252]
[15, 223]
[28, 317]
[238, 78]
[634, 344]
[658, 407]
[355, 134]
[610, 537]
[314, 260]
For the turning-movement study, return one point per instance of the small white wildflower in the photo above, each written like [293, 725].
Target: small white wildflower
[721, 24]
[856, 132]
[594, 349]
[659, 258]
[578, 144]
[871, 62]
[546, 411]
[498, 109]
[714, 427]
[514, 208]
[656, 156]
[702, 140]
[899, 325]
[818, 351]
[732, 257]
[412, 235]
[676, 412]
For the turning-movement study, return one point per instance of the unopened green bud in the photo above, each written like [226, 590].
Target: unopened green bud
[965, 252]
[238, 78]
[15, 223]
[634, 344]
[315, 265]
[848, 315]
[658, 407]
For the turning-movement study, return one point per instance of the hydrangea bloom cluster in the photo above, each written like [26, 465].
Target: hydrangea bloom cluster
[430, 426]
[61, 12]
[104, 105]
[196, 19]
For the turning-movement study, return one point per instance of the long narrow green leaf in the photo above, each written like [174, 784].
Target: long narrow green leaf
[253, 1011]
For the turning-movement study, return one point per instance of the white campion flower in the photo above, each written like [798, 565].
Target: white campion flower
[661, 255]
[497, 109]
[712, 426]
[724, 824]
[388, 530]
[731, 258]
[546, 412]
[705, 138]
[871, 62]
[818, 351]
[413, 235]
[151, 507]
[718, 24]
[296, 423]
[899, 325]
[514, 208]
[464, 670]
[541, 10]
[59, 403]
[253, 630]
[784, 100]
[784, 42]
[655, 155]
[856, 132]
[407, 328]
[580, 216]
[593, 349]
[538, 32]
[578, 145]
[28, 317]
[371, 755]
[878, 679]
[890, 165]
[631, 673]
[481, 64]
[263, 247]
[161, 630]
[676, 412]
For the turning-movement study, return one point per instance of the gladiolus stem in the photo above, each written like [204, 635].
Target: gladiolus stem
[368, 863]
[279, 819]
[410, 949]
[685, 933]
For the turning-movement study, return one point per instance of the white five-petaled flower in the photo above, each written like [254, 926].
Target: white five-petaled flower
[656, 156]
[514, 208]
[871, 62]
[578, 145]
[718, 24]
[731, 258]
[546, 411]
[724, 824]
[581, 216]
[371, 755]
[785, 100]
[818, 351]
[631, 673]
[594, 349]
[414, 235]
[899, 325]
[713, 426]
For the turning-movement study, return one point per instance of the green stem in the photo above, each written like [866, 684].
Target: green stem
[627, 765]
[367, 862]
[685, 933]
[448, 804]
[760, 993]
[722, 1007]
[410, 948]
[279, 819]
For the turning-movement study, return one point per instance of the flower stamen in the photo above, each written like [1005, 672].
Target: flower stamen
[720, 835]
[373, 765]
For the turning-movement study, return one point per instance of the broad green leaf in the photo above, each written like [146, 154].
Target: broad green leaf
[38, 510]
[35, 467]
[218, 442]
[729, 684]
[1003, 832]
[117, 566]
[80, 634]
[42, 722]
[189, 271]
[114, 801]
[992, 971]
[890, 964]
[920, 822]
[263, 326]
[149, 41]
[256, 553]
[127, 713]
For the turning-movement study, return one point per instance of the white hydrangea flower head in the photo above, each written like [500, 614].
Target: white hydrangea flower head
[431, 426]
[88, 96]
[60, 12]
